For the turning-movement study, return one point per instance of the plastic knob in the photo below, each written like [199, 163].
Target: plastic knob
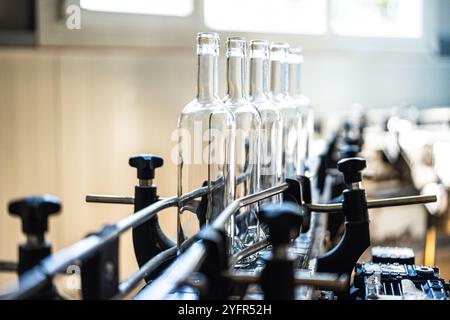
[284, 222]
[351, 168]
[146, 165]
[349, 151]
[34, 212]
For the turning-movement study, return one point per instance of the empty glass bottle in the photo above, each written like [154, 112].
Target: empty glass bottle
[291, 115]
[271, 120]
[304, 104]
[206, 137]
[248, 126]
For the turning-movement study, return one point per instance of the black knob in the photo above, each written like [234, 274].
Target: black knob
[284, 222]
[349, 151]
[146, 165]
[34, 212]
[351, 168]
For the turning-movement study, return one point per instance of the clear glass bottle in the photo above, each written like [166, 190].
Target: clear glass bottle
[206, 137]
[271, 120]
[295, 60]
[291, 115]
[248, 126]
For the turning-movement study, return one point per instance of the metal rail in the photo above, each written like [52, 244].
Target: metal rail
[248, 252]
[180, 270]
[372, 204]
[37, 277]
[325, 281]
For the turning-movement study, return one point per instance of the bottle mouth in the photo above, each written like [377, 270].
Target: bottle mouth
[295, 55]
[279, 51]
[208, 43]
[208, 38]
[259, 49]
[236, 47]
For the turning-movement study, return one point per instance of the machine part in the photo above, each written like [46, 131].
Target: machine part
[392, 255]
[380, 281]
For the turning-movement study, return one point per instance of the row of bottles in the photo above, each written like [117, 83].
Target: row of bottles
[246, 142]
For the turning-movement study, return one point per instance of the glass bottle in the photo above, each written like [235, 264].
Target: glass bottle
[271, 120]
[206, 137]
[295, 60]
[248, 126]
[292, 120]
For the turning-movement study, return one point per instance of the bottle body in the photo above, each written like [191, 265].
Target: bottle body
[306, 137]
[270, 172]
[247, 143]
[205, 153]
[290, 112]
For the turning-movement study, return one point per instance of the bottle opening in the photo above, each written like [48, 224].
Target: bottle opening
[295, 55]
[259, 49]
[236, 46]
[279, 51]
[208, 43]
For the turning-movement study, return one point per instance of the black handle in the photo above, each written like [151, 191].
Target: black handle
[34, 212]
[146, 165]
[284, 222]
[351, 168]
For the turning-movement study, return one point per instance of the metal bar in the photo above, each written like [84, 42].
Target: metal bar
[378, 203]
[335, 207]
[220, 221]
[178, 272]
[7, 266]
[145, 214]
[401, 201]
[248, 251]
[325, 281]
[150, 266]
[105, 198]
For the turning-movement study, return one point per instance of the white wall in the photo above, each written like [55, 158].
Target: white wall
[70, 118]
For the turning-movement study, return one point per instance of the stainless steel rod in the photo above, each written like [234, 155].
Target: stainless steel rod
[327, 281]
[400, 201]
[220, 221]
[378, 203]
[145, 214]
[248, 252]
[178, 272]
[150, 266]
[105, 198]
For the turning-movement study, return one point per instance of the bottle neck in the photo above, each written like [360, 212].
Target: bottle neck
[295, 75]
[259, 77]
[235, 78]
[279, 77]
[207, 77]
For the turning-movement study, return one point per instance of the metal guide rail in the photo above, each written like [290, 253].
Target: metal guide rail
[296, 226]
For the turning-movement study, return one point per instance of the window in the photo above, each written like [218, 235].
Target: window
[272, 16]
[156, 7]
[366, 18]
[380, 18]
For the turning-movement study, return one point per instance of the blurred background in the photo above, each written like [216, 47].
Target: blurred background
[86, 84]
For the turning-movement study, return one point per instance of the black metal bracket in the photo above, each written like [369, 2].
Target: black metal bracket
[100, 272]
[299, 192]
[148, 238]
[356, 239]
[215, 264]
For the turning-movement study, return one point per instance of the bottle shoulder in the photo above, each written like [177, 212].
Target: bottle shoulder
[199, 110]
[265, 105]
[200, 107]
[242, 107]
